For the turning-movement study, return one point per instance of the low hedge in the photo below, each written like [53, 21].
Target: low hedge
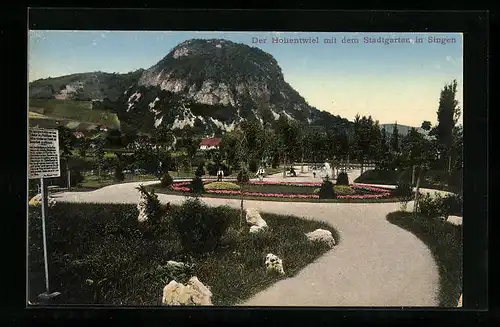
[222, 186]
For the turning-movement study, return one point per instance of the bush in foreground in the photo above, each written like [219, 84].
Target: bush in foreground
[446, 244]
[435, 205]
[200, 228]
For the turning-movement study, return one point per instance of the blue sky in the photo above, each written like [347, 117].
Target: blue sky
[396, 82]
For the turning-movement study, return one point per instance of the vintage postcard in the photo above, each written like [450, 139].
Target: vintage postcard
[245, 168]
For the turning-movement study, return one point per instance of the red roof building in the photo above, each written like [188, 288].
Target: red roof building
[210, 143]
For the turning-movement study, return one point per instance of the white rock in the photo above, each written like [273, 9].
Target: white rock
[202, 294]
[194, 293]
[321, 235]
[455, 220]
[274, 264]
[460, 302]
[256, 229]
[254, 219]
[176, 265]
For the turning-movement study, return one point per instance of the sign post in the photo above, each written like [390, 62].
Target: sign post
[43, 157]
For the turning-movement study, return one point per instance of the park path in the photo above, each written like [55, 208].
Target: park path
[375, 263]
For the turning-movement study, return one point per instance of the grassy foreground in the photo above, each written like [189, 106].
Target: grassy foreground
[98, 254]
[445, 242]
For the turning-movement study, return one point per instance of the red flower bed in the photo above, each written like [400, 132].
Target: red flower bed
[379, 192]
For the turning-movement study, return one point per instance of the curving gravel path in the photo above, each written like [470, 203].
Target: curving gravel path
[375, 264]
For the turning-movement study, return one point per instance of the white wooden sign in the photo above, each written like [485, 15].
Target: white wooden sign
[43, 153]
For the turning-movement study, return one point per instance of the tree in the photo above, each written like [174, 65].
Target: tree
[229, 148]
[242, 149]
[395, 139]
[66, 144]
[288, 133]
[426, 125]
[100, 143]
[384, 149]
[191, 145]
[447, 116]
[418, 152]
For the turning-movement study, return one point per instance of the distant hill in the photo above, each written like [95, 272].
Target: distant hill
[84, 86]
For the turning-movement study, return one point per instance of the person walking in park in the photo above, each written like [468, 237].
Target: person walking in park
[220, 175]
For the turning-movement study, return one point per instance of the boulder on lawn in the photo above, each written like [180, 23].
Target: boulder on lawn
[176, 265]
[194, 293]
[274, 264]
[254, 219]
[455, 220]
[321, 235]
[257, 229]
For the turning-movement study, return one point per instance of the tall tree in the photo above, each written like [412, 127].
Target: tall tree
[66, 144]
[384, 148]
[426, 125]
[418, 152]
[288, 132]
[448, 114]
[395, 138]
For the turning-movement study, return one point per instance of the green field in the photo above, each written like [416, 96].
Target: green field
[79, 111]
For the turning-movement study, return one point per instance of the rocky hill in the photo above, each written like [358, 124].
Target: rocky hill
[203, 85]
[84, 86]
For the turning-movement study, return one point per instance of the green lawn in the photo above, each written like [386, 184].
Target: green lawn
[105, 243]
[445, 242]
[94, 182]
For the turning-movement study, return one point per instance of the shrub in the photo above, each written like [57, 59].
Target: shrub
[200, 227]
[243, 176]
[166, 180]
[197, 185]
[404, 191]
[119, 175]
[342, 179]
[222, 186]
[327, 190]
[252, 166]
[453, 205]
[153, 206]
[200, 171]
[431, 206]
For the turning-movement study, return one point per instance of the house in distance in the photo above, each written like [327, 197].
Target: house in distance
[210, 143]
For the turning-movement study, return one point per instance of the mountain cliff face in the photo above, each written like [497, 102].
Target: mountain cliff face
[207, 86]
[210, 85]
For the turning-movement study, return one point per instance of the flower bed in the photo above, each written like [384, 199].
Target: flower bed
[374, 192]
